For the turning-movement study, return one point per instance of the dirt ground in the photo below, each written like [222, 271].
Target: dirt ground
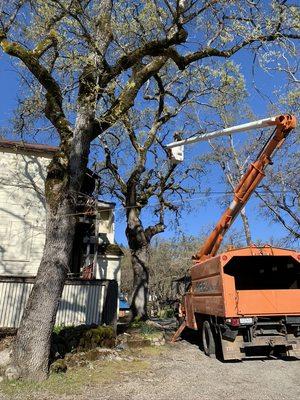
[171, 372]
[185, 372]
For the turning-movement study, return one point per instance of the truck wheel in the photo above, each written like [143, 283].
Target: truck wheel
[208, 340]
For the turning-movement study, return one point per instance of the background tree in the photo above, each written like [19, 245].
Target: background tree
[230, 106]
[139, 169]
[279, 193]
[83, 63]
[169, 260]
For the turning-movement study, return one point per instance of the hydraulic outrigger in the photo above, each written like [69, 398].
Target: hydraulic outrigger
[283, 125]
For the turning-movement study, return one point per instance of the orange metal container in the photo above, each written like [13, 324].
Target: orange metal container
[252, 281]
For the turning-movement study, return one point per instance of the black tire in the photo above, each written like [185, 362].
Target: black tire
[208, 340]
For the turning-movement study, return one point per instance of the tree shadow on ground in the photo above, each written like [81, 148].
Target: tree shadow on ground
[192, 336]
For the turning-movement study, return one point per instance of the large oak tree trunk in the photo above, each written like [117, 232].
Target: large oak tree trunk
[32, 345]
[139, 248]
[30, 358]
[140, 262]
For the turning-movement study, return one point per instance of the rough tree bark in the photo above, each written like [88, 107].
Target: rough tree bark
[139, 239]
[139, 249]
[32, 344]
[139, 298]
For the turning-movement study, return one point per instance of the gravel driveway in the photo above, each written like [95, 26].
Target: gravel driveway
[182, 371]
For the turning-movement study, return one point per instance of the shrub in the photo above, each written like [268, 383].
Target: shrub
[80, 338]
[166, 313]
[142, 327]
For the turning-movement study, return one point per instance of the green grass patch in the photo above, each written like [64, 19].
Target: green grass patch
[143, 328]
[147, 352]
[166, 313]
[74, 380]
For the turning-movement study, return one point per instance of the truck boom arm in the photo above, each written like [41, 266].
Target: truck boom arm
[249, 182]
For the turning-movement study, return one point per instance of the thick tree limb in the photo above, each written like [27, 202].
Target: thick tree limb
[54, 109]
[183, 61]
[153, 48]
[153, 230]
[44, 45]
[126, 99]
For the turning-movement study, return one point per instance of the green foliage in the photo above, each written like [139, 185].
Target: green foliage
[138, 325]
[147, 329]
[58, 328]
[81, 338]
[166, 313]
[75, 381]
[102, 336]
[59, 366]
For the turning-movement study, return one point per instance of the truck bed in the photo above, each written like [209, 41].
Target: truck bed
[268, 302]
[249, 281]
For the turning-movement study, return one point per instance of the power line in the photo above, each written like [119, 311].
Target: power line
[183, 200]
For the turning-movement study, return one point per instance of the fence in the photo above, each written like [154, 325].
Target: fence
[82, 302]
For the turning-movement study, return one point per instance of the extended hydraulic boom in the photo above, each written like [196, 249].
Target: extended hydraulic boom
[249, 182]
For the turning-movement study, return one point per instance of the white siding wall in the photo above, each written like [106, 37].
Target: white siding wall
[106, 224]
[22, 237]
[114, 270]
[22, 215]
[22, 211]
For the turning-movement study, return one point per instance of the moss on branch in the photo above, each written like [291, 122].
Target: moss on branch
[126, 99]
[54, 109]
[46, 44]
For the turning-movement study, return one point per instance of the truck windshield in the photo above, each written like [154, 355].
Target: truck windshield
[264, 272]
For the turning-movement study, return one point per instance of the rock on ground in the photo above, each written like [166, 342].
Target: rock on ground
[182, 371]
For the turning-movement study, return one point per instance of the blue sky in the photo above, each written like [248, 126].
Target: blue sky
[204, 213]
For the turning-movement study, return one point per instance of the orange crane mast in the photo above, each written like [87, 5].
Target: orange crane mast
[247, 185]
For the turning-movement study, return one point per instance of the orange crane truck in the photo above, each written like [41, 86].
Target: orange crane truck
[245, 300]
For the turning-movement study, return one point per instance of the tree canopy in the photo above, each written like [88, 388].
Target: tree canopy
[84, 65]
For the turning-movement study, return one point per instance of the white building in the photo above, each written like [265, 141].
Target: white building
[23, 169]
